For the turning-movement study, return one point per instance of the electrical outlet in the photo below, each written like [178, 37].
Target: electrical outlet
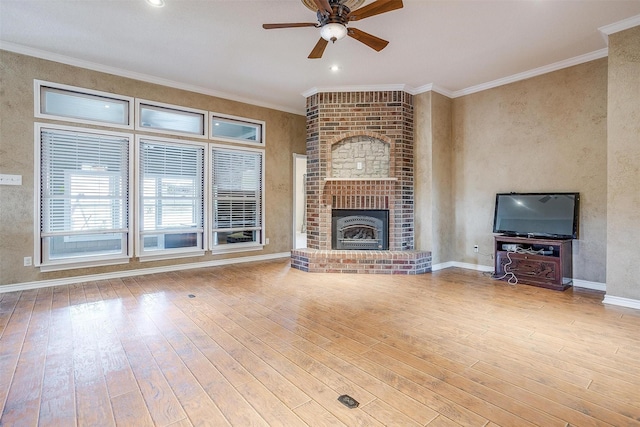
[266, 241]
[27, 261]
[475, 248]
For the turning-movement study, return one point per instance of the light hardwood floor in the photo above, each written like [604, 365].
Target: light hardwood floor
[263, 344]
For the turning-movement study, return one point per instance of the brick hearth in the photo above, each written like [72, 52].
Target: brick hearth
[360, 156]
[361, 262]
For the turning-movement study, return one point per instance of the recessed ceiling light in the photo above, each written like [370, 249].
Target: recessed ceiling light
[334, 68]
[156, 3]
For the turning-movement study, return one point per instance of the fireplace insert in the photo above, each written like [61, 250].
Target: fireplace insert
[360, 229]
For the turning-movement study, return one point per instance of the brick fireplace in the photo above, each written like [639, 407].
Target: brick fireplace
[360, 157]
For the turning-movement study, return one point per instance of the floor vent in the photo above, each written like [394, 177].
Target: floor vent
[348, 401]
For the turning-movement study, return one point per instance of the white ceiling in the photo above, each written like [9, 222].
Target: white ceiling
[219, 46]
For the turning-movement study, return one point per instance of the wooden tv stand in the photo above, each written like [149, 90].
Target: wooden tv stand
[553, 269]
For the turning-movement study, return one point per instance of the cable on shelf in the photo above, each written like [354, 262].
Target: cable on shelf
[513, 280]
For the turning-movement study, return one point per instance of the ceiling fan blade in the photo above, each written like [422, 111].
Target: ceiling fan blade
[318, 50]
[375, 8]
[292, 25]
[372, 41]
[323, 6]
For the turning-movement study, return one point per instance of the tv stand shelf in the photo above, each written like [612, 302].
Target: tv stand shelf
[551, 269]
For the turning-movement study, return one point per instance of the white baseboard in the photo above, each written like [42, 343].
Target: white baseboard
[138, 272]
[576, 282]
[442, 266]
[596, 286]
[622, 302]
[466, 265]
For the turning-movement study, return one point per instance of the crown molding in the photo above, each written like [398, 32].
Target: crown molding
[37, 53]
[380, 88]
[576, 60]
[616, 27]
[431, 87]
[357, 88]
[619, 26]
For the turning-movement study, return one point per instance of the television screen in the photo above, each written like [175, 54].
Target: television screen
[553, 215]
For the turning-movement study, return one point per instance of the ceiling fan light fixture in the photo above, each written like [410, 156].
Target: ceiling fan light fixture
[333, 31]
[156, 3]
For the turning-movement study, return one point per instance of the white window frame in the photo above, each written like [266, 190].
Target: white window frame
[177, 252]
[236, 247]
[38, 84]
[90, 260]
[138, 125]
[240, 120]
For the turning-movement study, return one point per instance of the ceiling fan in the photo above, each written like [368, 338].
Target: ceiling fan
[333, 17]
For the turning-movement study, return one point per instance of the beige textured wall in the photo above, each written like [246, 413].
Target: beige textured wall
[286, 134]
[623, 201]
[442, 190]
[433, 176]
[547, 133]
[423, 169]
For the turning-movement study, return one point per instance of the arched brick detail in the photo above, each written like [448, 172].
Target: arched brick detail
[354, 135]
[375, 135]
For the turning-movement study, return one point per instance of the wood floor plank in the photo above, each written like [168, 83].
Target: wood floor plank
[265, 372]
[388, 415]
[352, 367]
[272, 409]
[315, 415]
[58, 404]
[571, 407]
[130, 410]
[93, 406]
[441, 421]
[230, 402]
[197, 404]
[263, 344]
[118, 374]
[24, 396]
[163, 405]
[444, 384]
[7, 306]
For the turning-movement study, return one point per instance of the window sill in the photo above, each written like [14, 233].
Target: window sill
[169, 255]
[73, 264]
[238, 248]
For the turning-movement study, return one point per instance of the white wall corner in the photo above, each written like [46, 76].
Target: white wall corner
[622, 302]
[465, 265]
[441, 266]
[596, 286]
[616, 27]
[434, 88]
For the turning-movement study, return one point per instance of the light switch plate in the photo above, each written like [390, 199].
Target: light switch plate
[6, 179]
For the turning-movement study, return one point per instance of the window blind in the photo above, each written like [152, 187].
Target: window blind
[84, 183]
[172, 183]
[236, 190]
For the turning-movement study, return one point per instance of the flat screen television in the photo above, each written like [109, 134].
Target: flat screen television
[546, 215]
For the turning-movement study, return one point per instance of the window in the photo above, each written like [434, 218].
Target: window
[236, 129]
[171, 119]
[237, 198]
[84, 196]
[190, 195]
[80, 105]
[171, 197]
